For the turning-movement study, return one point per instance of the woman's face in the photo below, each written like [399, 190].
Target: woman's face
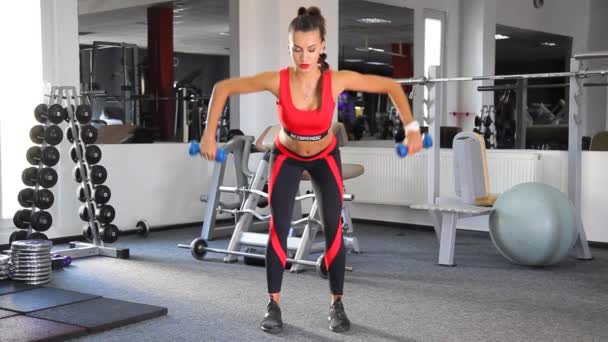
[305, 48]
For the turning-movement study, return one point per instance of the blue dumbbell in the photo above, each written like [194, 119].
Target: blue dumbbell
[195, 148]
[401, 148]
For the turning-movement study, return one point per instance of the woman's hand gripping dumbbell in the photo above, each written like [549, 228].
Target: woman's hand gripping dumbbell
[403, 150]
[219, 155]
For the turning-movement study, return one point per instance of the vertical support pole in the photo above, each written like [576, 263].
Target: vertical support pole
[520, 119]
[160, 68]
[575, 159]
[434, 105]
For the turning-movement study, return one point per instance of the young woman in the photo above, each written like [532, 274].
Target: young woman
[306, 92]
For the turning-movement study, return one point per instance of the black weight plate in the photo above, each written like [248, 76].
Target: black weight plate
[73, 153]
[41, 220]
[80, 192]
[36, 134]
[37, 236]
[109, 233]
[84, 114]
[29, 176]
[102, 194]
[88, 134]
[40, 113]
[53, 135]
[105, 214]
[44, 199]
[83, 212]
[33, 155]
[92, 154]
[76, 173]
[17, 235]
[69, 135]
[26, 197]
[47, 177]
[18, 218]
[99, 174]
[50, 156]
[57, 114]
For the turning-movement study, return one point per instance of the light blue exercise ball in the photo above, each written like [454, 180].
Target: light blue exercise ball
[533, 224]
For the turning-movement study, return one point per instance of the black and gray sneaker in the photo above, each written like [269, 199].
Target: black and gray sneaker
[338, 322]
[272, 322]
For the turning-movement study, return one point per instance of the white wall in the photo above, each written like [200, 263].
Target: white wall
[21, 89]
[596, 100]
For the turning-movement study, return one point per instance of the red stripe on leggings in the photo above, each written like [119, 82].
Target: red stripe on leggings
[274, 237]
[330, 255]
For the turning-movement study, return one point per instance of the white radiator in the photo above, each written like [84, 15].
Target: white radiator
[392, 180]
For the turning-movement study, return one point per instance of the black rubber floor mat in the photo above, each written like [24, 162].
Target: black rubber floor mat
[24, 328]
[101, 314]
[41, 298]
[9, 286]
[6, 313]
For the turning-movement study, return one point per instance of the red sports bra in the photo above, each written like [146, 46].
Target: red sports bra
[306, 125]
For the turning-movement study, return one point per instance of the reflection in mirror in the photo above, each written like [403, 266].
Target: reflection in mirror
[114, 71]
[374, 39]
[540, 121]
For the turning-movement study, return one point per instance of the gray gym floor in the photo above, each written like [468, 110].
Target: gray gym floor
[396, 293]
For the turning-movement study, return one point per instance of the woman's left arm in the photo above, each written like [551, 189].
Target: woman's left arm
[354, 81]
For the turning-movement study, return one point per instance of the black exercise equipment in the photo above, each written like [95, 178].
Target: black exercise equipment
[98, 174]
[69, 135]
[17, 236]
[55, 113]
[45, 177]
[84, 114]
[92, 154]
[104, 214]
[39, 220]
[42, 199]
[49, 155]
[52, 134]
[88, 134]
[101, 194]
[199, 249]
[109, 233]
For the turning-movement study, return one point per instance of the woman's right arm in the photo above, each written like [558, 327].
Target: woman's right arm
[268, 81]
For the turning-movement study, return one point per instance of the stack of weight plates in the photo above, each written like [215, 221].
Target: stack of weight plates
[4, 265]
[31, 261]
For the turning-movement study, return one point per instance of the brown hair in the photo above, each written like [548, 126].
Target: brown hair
[310, 19]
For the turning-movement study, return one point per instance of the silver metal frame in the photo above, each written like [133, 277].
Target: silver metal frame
[577, 73]
[79, 249]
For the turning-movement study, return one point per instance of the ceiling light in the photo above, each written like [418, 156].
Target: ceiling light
[376, 63]
[499, 36]
[548, 44]
[352, 60]
[224, 33]
[373, 21]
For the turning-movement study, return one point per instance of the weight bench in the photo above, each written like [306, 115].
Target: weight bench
[472, 188]
[303, 245]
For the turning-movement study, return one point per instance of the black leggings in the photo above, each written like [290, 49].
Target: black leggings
[325, 171]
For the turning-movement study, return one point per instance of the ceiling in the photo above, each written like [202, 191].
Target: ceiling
[200, 26]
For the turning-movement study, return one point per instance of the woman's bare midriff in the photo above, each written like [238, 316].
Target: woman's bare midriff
[305, 148]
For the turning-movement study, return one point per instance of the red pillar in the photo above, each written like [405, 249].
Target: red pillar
[403, 67]
[160, 69]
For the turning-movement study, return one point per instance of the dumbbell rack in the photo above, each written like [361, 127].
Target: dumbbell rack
[96, 246]
[45, 135]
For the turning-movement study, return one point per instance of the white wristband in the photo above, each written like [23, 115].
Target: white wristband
[413, 126]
